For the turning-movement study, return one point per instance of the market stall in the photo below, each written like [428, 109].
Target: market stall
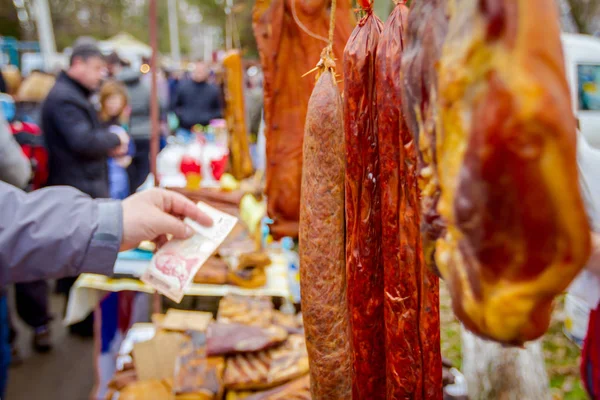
[412, 175]
[244, 264]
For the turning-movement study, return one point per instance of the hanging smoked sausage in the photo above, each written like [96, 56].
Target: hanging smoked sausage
[322, 241]
[425, 33]
[363, 211]
[400, 220]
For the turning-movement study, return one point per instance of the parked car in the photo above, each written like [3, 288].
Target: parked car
[582, 58]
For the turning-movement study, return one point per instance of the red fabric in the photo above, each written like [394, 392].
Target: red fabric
[590, 356]
[29, 137]
[126, 300]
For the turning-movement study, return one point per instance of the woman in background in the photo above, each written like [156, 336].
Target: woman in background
[114, 113]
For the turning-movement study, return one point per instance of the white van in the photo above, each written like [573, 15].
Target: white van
[582, 58]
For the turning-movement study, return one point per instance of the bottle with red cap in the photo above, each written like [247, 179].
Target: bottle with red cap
[191, 169]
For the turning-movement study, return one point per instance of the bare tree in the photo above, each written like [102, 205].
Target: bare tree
[585, 14]
[9, 21]
[495, 372]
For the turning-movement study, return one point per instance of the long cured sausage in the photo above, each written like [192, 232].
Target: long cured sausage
[363, 212]
[400, 223]
[425, 33]
[322, 242]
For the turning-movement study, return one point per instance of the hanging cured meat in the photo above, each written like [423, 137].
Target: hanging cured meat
[363, 211]
[241, 163]
[287, 52]
[426, 31]
[502, 159]
[322, 244]
[413, 361]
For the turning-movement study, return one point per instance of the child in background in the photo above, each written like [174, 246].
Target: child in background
[114, 113]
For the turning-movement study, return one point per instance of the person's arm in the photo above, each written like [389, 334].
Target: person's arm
[58, 232]
[15, 168]
[80, 135]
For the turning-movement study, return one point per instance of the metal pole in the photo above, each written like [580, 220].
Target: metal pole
[228, 25]
[208, 35]
[156, 299]
[45, 31]
[174, 32]
[153, 92]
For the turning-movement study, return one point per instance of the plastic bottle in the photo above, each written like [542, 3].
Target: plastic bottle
[293, 262]
[266, 237]
[210, 134]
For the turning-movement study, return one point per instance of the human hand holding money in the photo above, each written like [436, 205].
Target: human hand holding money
[174, 266]
[154, 213]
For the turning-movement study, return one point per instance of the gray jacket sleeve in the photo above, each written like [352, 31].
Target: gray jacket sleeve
[15, 168]
[56, 232]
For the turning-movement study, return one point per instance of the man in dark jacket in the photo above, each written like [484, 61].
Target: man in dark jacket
[78, 144]
[196, 100]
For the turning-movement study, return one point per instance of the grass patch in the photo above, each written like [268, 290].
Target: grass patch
[562, 356]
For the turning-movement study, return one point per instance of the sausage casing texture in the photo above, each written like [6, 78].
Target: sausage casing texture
[400, 223]
[425, 34]
[363, 212]
[322, 244]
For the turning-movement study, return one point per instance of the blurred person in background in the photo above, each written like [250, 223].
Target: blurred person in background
[12, 79]
[254, 99]
[140, 127]
[31, 94]
[586, 286]
[114, 64]
[14, 170]
[78, 143]
[31, 298]
[3, 88]
[115, 114]
[162, 83]
[197, 101]
[173, 79]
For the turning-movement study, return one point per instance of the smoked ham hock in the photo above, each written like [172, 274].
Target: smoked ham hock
[498, 165]
[286, 53]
